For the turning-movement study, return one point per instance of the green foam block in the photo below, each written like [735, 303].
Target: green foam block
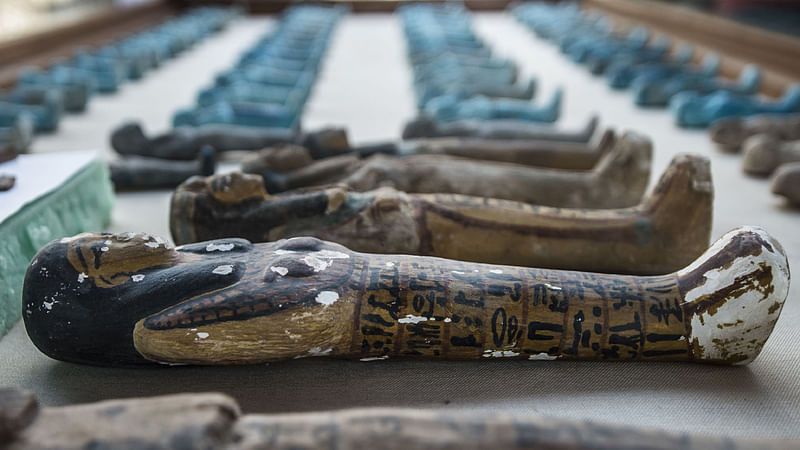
[82, 202]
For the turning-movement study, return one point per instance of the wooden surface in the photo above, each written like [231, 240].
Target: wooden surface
[43, 48]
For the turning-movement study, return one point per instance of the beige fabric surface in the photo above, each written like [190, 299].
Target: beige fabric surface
[366, 86]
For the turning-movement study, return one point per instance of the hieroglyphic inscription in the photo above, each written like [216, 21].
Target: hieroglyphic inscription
[420, 307]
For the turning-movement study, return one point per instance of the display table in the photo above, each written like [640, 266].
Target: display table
[366, 85]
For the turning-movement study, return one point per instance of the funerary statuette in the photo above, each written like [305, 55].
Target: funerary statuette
[212, 420]
[558, 155]
[617, 181]
[730, 133]
[7, 182]
[128, 299]
[423, 126]
[763, 153]
[786, 182]
[138, 172]
[665, 232]
[185, 143]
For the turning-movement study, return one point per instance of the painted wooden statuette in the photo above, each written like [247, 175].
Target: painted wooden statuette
[137, 172]
[763, 153]
[553, 154]
[215, 421]
[128, 299]
[618, 180]
[786, 182]
[424, 127]
[665, 232]
[186, 143]
[730, 133]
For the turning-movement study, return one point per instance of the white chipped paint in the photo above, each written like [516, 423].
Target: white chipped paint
[410, 318]
[282, 271]
[550, 286]
[740, 325]
[137, 278]
[331, 254]
[219, 247]
[327, 298]
[223, 270]
[202, 335]
[48, 305]
[497, 271]
[375, 358]
[499, 354]
[316, 263]
[447, 320]
[291, 335]
[389, 264]
[458, 272]
[82, 276]
[543, 356]
[318, 351]
[104, 249]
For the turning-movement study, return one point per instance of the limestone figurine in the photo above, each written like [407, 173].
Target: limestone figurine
[728, 134]
[136, 172]
[665, 232]
[617, 181]
[131, 299]
[424, 127]
[763, 153]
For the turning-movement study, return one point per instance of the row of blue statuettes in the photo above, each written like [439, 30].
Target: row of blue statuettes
[269, 85]
[646, 65]
[42, 96]
[456, 75]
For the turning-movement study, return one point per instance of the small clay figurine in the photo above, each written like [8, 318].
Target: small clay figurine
[251, 114]
[184, 143]
[786, 182]
[666, 231]
[729, 133]
[424, 127]
[131, 299]
[763, 153]
[7, 182]
[617, 181]
[136, 172]
[448, 108]
[554, 154]
[76, 86]
[659, 92]
[46, 115]
[692, 109]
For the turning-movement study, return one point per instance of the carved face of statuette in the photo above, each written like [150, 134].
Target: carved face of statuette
[84, 295]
